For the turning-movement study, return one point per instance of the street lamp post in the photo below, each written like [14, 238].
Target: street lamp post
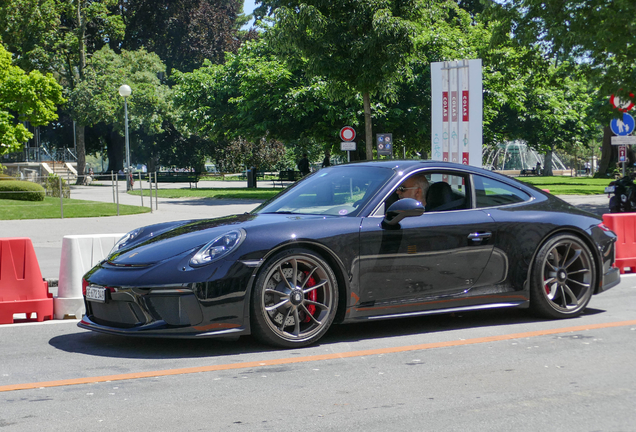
[125, 91]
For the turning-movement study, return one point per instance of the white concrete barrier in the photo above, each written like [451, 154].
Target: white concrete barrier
[79, 254]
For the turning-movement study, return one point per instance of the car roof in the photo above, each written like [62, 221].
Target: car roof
[409, 165]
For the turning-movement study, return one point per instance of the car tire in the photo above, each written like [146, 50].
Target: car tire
[563, 277]
[294, 300]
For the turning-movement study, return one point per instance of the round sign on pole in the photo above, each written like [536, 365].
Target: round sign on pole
[347, 133]
[621, 105]
[624, 126]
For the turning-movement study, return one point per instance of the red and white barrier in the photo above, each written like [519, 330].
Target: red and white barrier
[624, 225]
[22, 290]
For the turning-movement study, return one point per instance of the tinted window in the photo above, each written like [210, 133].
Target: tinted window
[491, 193]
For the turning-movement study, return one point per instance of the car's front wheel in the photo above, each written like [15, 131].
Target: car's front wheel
[294, 300]
[563, 276]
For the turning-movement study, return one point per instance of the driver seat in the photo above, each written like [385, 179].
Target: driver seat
[438, 195]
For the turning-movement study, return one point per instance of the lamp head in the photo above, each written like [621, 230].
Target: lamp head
[125, 91]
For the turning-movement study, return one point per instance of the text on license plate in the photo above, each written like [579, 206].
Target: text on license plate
[609, 189]
[96, 294]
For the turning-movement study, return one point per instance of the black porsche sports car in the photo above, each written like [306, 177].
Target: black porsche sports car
[339, 246]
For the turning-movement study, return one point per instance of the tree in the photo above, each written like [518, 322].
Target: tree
[31, 97]
[358, 47]
[58, 36]
[183, 33]
[596, 34]
[96, 102]
[255, 94]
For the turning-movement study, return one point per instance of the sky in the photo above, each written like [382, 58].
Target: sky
[248, 7]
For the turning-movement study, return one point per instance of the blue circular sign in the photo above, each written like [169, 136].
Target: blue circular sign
[624, 126]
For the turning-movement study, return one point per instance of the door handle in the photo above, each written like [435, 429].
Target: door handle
[477, 237]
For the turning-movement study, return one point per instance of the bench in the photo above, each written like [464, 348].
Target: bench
[179, 177]
[286, 176]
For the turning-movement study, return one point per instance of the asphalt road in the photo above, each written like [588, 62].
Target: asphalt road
[483, 371]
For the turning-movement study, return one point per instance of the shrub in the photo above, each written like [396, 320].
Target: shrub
[53, 187]
[21, 190]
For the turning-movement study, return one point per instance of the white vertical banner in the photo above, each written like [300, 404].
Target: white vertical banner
[457, 112]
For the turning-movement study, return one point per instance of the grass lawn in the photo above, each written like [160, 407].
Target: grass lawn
[50, 209]
[562, 185]
[233, 193]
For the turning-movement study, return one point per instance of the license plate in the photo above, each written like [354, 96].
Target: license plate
[96, 294]
[609, 189]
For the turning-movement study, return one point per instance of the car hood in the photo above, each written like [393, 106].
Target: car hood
[157, 243]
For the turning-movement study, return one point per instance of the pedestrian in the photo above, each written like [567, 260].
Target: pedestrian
[303, 165]
[326, 162]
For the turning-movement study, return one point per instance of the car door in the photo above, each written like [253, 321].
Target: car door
[423, 259]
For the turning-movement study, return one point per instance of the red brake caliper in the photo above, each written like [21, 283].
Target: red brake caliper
[312, 295]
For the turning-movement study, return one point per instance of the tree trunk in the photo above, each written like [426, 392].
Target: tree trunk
[606, 152]
[547, 163]
[81, 153]
[81, 141]
[368, 133]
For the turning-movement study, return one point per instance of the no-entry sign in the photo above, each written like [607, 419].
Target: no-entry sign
[347, 133]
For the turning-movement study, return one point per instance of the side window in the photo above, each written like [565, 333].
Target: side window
[446, 192]
[491, 193]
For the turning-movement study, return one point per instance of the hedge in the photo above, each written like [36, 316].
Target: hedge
[21, 190]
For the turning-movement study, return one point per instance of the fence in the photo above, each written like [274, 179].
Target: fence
[19, 189]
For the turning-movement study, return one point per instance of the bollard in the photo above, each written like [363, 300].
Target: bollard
[79, 254]
[22, 290]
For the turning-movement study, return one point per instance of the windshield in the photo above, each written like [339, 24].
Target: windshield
[340, 191]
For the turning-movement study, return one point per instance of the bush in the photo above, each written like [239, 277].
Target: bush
[53, 187]
[21, 190]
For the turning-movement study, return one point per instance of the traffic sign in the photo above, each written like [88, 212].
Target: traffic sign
[624, 126]
[348, 146]
[385, 144]
[347, 133]
[620, 104]
[622, 154]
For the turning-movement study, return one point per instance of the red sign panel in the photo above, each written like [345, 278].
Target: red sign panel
[445, 106]
[465, 105]
[454, 106]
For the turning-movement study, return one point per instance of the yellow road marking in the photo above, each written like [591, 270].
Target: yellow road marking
[313, 358]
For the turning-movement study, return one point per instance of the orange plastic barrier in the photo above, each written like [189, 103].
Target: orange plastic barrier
[624, 225]
[22, 290]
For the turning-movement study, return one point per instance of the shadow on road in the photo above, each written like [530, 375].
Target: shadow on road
[103, 345]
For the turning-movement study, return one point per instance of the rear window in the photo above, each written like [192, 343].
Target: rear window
[492, 193]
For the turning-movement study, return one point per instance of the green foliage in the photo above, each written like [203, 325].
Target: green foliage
[21, 190]
[52, 186]
[184, 33]
[29, 97]
[597, 33]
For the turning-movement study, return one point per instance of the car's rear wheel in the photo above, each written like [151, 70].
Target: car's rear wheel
[562, 278]
[294, 300]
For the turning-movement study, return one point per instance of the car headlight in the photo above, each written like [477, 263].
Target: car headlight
[126, 239]
[218, 248]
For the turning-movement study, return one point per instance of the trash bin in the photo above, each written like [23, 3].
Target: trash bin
[251, 177]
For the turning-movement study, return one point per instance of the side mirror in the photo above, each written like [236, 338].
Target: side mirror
[406, 207]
